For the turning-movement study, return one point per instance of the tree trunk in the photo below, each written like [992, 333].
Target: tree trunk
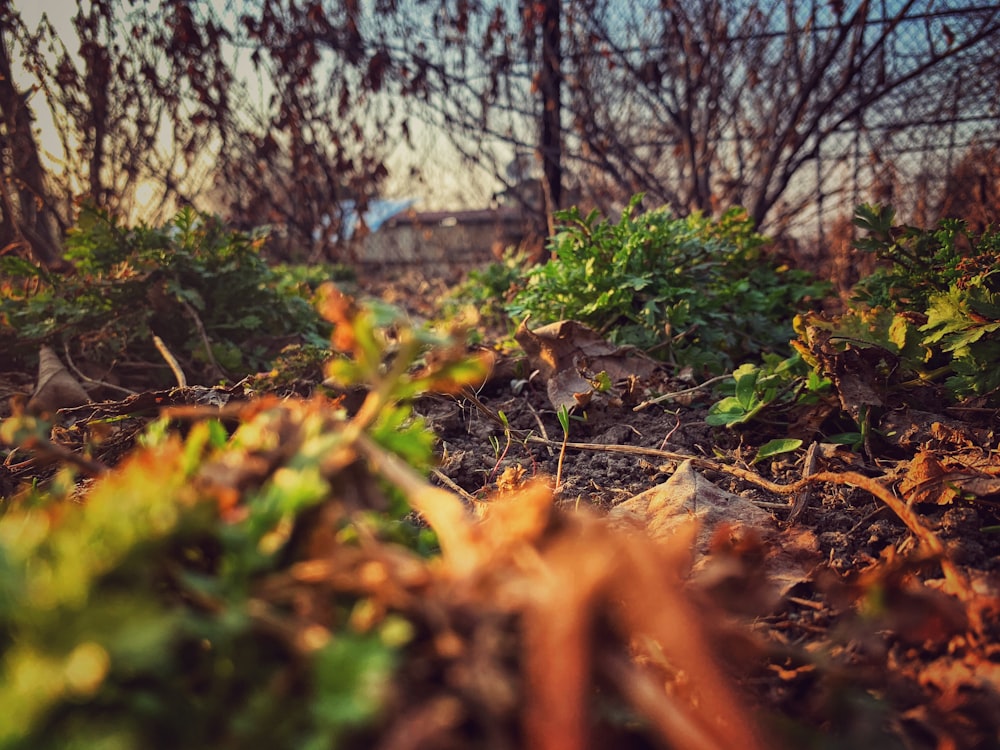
[549, 84]
[26, 207]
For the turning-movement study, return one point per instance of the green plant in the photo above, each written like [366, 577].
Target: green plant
[489, 289]
[563, 416]
[857, 438]
[915, 263]
[202, 289]
[776, 382]
[964, 322]
[226, 576]
[776, 447]
[500, 452]
[930, 317]
[694, 291]
[944, 286]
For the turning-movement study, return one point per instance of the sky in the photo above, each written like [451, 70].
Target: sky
[443, 186]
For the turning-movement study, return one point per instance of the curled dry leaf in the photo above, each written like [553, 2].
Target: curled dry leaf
[567, 354]
[56, 388]
[688, 496]
[736, 542]
[941, 480]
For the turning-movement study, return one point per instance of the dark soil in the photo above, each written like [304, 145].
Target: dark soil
[869, 645]
[861, 651]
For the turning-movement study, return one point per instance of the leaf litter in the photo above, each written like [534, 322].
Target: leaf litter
[662, 597]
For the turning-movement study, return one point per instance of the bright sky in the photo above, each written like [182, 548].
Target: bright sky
[447, 183]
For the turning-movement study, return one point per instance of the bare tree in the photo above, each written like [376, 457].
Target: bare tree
[141, 96]
[150, 94]
[28, 220]
[723, 101]
[700, 103]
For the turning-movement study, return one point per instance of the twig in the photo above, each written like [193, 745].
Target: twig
[958, 583]
[686, 391]
[103, 383]
[541, 425]
[633, 449]
[49, 452]
[203, 333]
[452, 485]
[666, 438]
[956, 580]
[174, 367]
[808, 469]
[469, 395]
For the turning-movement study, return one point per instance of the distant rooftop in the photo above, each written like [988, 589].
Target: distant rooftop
[452, 218]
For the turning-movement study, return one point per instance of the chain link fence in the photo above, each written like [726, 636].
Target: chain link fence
[906, 112]
[928, 155]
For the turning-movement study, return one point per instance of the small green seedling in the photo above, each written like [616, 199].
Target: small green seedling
[776, 382]
[751, 395]
[776, 447]
[563, 415]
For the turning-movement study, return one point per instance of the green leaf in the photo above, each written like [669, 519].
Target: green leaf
[728, 411]
[746, 385]
[854, 439]
[563, 416]
[777, 447]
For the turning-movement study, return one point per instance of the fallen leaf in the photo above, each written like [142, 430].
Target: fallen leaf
[569, 389]
[571, 354]
[738, 546]
[687, 496]
[56, 388]
[924, 481]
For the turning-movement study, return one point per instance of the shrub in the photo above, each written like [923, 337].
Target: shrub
[205, 291]
[944, 283]
[692, 290]
[234, 587]
[914, 263]
[928, 318]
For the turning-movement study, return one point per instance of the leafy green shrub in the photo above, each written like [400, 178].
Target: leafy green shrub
[489, 289]
[228, 590]
[695, 291]
[205, 291]
[929, 317]
[948, 279]
[914, 263]
[964, 322]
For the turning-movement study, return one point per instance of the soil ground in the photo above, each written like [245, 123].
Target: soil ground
[871, 639]
[860, 647]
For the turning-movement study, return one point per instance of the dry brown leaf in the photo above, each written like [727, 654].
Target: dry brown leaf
[942, 480]
[568, 389]
[915, 429]
[56, 388]
[566, 353]
[925, 481]
[511, 479]
[687, 496]
[858, 373]
[980, 485]
[738, 546]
